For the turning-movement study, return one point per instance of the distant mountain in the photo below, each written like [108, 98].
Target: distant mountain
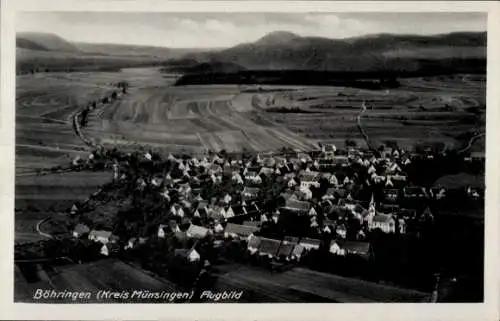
[133, 50]
[284, 50]
[43, 41]
[48, 52]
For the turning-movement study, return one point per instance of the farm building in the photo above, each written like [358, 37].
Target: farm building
[269, 247]
[237, 230]
[310, 244]
[361, 249]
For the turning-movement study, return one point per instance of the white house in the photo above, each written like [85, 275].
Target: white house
[384, 222]
[335, 249]
[227, 198]
[103, 237]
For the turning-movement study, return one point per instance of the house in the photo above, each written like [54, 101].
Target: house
[297, 206]
[190, 254]
[391, 194]
[291, 240]
[360, 249]
[308, 179]
[197, 232]
[252, 223]
[80, 230]
[237, 230]
[227, 198]
[297, 252]
[269, 247]
[291, 183]
[217, 213]
[218, 228]
[201, 209]
[163, 229]
[340, 160]
[253, 177]
[253, 244]
[341, 231]
[103, 237]
[228, 212]
[285, 250]
[310, 244]
[134, 241]
[335, 249]
[330, 194]
[414, 192]
[305, 193]
[237, 178]
[384, 222]
[74, 209]
[266, 171]
[109, 249]
[250, 192]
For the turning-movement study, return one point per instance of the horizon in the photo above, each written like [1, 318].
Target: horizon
[223, 30]
[264, 35]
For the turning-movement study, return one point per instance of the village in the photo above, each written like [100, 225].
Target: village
[274, 210]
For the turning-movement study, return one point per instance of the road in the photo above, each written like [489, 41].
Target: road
[471, 141]
[37, 228]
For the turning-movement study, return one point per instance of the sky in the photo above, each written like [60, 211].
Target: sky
[214, 30]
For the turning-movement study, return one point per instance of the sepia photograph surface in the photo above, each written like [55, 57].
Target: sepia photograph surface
[249, 157]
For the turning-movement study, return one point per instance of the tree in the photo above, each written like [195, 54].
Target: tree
[350, 143]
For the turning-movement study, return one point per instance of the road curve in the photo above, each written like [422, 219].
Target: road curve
[37, 227]
[471, 141]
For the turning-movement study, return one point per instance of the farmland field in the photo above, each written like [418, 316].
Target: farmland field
[57, 191]
[301, 284]
[190, 118]
[422, 110]
[199, 117]
[45, 103]
[107, 274]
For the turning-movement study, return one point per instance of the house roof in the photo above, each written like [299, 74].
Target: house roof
[254, 241]
[360, 248]
[101, 233]
[269, 246]
[285, 249]
[197, 231]
[202, 204]
[308, 175]
[252, 223]
[241, 230]
[291, 239]
[298, 205]
[309, 241]
[382, 218]
[266, 171]
[251, 190]
[298, 250]
[251, 174]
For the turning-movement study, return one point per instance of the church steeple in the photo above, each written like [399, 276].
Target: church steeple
[371, 208]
